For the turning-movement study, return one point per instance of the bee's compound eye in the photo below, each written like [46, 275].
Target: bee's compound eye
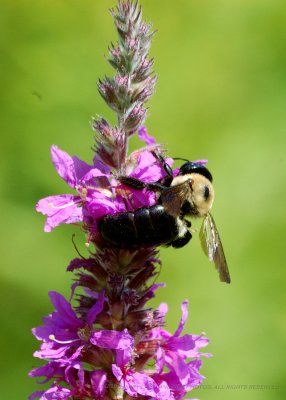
[206, 192]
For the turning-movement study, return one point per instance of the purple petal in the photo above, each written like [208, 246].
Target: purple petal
[140, 198]
[201, 341]
[173, 382]
[150, 293]
[36, 395]
[126, 380]
[195, 378]
[184, 307]
[165, 392]
[81, 380]
[98, 382]
[52, 204]
[77, 352]
[54, 393]
[160, 359]
[143, 384]
[183, 344]
[128, 387]
[49, 371]
[57, 393]
[73, 289]
[97, 163]
[72, 375]
[176, 171]
[98, 205]
[42, 332]
[123, 357]
[85, 263]
[145, 137]
[152, 289]
[60, 209]
[52, 354]
[109, 339]
[178, 365]
[93, 173]
[96, 309]
[117, 372]
[64, 165]
[148, 169]
[66, 316]
[202, 162]
[163, 309]
[81, 168]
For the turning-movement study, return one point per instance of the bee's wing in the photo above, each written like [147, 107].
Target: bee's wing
[212, 247]
[174, 197]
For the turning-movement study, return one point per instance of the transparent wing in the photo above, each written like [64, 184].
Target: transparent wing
[212, 247]
[174, 197]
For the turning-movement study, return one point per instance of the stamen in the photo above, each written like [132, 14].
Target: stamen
[53, 338]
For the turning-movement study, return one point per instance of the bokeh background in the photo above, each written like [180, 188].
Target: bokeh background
[221, 95]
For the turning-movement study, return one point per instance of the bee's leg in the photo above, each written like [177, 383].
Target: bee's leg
[182, 241]
[166, 166]
[135, 183]
[188, 223]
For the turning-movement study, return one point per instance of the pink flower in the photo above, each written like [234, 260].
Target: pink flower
[98, 192]
[67, 208]
[132, 382]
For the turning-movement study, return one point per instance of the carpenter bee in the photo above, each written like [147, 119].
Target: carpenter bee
[189, 194]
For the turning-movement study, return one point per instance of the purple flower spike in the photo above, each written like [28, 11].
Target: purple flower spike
[106, 342]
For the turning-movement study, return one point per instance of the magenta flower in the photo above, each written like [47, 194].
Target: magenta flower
[132, 382]
[90, 384]
[98, 191]
[64, 335]
[67, 208]
[173, 350]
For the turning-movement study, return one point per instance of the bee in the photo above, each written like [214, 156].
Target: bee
[189, 194]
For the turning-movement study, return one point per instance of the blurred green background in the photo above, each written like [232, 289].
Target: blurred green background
[221, 95]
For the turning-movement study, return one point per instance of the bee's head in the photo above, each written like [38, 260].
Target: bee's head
[196, 167]
[202, 194]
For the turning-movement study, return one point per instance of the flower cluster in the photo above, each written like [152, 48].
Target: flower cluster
[102, 363]
[98, 191]
[105, 343]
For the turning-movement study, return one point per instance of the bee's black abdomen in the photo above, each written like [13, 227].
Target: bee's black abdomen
[144, 227]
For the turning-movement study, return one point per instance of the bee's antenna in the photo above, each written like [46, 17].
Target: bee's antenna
[179, 158]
